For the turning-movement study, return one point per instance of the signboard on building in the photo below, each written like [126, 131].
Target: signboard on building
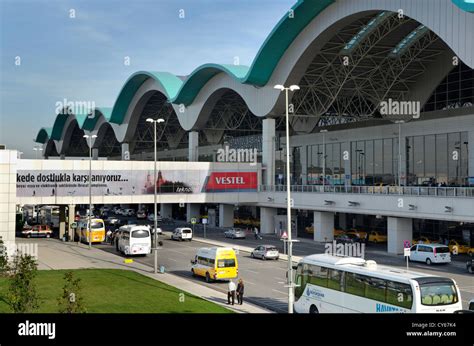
[45, 183]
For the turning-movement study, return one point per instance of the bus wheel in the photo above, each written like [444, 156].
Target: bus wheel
[47, 236]
[428, 261]
[313, 309]
[208, 277]
[28, 235]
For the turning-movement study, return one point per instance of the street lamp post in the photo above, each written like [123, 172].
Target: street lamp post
[288, 199]
[155, 221]
[89, 138]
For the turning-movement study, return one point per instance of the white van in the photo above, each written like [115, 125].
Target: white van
[182, 233]
[134, 240]
[430, 253]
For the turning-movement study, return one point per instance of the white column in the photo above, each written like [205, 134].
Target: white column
[193, 154]
[268, 151]
[346, 147]
[125, 152]
[192, 210]
[95, 153]
[399, 229]
[71, 215]
[323, 226]
[267, 220]
[166, 210]
[226, 215]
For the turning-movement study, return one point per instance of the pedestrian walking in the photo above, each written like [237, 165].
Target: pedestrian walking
[240, 292]
[255, 231]
[231, 292]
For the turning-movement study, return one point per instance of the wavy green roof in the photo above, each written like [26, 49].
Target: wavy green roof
[465, 5]
[43, 135]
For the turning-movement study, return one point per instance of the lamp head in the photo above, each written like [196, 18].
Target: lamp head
[294, 88]
[279, 87]
[150, 120]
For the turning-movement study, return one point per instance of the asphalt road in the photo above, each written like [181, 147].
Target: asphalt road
[265, 280]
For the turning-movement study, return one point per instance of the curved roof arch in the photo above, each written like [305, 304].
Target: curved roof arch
[276, 60]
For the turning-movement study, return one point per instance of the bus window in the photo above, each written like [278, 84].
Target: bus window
[334, 279]
[299, 289]
[226, 263]
[319, 276]
[140, 234]
[399, 294]
[375, 289]
[438, 294]
[355, 284]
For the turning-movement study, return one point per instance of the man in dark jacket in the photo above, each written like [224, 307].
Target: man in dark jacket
[240, 292]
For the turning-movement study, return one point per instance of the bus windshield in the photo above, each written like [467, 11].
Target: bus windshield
[433, 294]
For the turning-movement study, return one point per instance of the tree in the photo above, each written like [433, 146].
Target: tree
[4, 267]
[22, 294]
[71, 300]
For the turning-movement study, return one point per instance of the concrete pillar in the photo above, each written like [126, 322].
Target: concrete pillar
[8, 170]
[323, 226]
[304, 165]
[403, 149]
[398, 230]
[470, 149]
[62, 221]
[125, 152]
[193, 154]
[71, 215]
[95, 153]
[226, 215]
[192, 210]
[166, 210]
[267, 220]
[268, 151]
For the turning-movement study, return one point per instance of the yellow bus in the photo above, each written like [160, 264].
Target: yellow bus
[97, 230]
[216, 263]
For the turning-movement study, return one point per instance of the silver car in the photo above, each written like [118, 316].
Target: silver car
[265, 252]
[235, 233]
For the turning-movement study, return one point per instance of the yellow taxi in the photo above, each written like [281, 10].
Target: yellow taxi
[377, 237]
[358, 233]
[457, 247]
[421, 240]
[309, 229]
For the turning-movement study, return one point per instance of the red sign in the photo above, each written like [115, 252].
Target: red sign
[284, 236]
[231, 181]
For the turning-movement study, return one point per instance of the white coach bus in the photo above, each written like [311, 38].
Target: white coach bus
[332, 284]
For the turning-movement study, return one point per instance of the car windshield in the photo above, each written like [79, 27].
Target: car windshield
[442, 249]
[226, 263]
[140, 234]
[438, 294]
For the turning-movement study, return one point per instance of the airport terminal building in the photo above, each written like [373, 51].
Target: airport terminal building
[381, 129]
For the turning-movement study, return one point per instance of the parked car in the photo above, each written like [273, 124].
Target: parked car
[112, 220]
[421, 240]
[141, 214]
[151, 217]
[152, 230]
[37, 231]
[182, 233]
[470, 265]
[457, 247]
[235, 233]
[430, 253]
[348, 239]
[360, 234]
[129, 212]
[265, 252]
[377, 237]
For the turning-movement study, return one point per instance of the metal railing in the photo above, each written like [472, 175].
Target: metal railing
[379, 190]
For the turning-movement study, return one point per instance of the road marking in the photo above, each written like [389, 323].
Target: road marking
[285, 293]
[252, 271]
[248, 282]
[278, 278]
[172, 259]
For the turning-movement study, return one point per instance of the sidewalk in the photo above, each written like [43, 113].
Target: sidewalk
[54, 254]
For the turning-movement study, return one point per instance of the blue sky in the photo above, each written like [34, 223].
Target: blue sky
[82, 58]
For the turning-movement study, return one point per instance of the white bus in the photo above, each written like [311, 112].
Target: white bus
[335, 284]
[134, 240]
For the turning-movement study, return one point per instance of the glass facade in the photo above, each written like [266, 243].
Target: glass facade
[441, 159]
[334, 169]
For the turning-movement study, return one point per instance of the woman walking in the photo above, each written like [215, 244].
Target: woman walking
[240, 292]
